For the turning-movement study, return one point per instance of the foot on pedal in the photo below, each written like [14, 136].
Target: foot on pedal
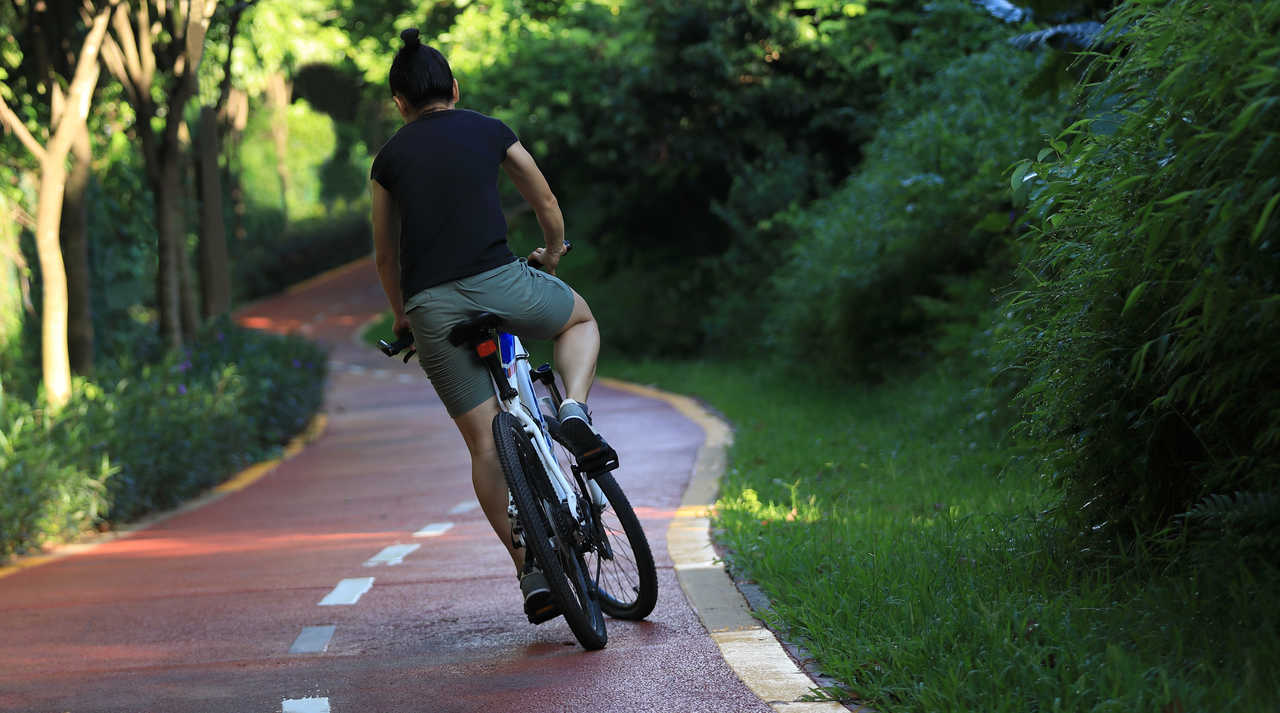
[589, 448]
[539, 605]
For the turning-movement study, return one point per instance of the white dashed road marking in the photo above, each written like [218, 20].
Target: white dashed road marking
[348, 591]
[304, 705]
[465, 506]
[312, 640]
[435, 529]
[392, 555]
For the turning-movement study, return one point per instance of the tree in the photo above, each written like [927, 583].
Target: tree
[163, 64]
[70, 111]
[215, 274]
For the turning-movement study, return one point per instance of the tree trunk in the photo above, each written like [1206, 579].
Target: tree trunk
[168, 232]
[56, 368]
[75, 252]
[187, 290]
[215, 278]
[278, 91]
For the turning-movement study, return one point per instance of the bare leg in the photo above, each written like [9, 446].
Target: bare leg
[490, 485]
[577, 348]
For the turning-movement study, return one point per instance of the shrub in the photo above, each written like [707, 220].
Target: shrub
[877, 269]
[148, 436]
[268, 264]
[1150, 337]
[49, 486]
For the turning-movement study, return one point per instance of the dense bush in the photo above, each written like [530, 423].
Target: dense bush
[147, 436]
[268, 264]
[1152, 324]
[914, 240]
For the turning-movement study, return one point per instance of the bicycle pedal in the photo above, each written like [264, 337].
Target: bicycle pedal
[545, 614]
[598, 460]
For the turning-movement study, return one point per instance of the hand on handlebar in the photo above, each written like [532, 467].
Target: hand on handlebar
[546, 259]
[400, 327]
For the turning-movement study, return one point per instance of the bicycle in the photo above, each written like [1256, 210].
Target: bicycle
[581, 530]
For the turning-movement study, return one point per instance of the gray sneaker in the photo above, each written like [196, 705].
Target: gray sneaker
[575, 426]
[539, 605]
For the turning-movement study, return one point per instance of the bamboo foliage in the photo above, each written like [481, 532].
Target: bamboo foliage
[1152, 327]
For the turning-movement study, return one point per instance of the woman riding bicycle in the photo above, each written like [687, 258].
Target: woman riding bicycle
[440, 245]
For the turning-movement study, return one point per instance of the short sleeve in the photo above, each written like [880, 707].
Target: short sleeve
[504, 137]
[380, 171]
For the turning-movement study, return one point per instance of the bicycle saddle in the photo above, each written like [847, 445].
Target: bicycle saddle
[474, 330]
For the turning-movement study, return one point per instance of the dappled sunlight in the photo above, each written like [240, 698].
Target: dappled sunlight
[270, 324]
[244, 542]
[652, 513]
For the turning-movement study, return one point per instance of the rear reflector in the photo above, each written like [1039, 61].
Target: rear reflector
[484, 349]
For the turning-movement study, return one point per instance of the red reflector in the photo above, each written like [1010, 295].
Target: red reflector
[484, 349]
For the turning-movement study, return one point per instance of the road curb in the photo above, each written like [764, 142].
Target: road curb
[314, 428]
[751, 650]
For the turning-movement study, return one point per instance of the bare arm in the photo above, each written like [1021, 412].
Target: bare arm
[524, 172]
[386, 250]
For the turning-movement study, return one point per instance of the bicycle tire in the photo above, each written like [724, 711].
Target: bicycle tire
[627, 579]
[554, 551]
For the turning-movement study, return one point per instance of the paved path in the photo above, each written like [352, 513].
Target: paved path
[365, 555]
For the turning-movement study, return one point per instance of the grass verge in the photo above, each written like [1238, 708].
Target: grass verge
[900, 540]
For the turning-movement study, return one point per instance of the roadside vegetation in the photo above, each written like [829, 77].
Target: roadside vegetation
[988, 290]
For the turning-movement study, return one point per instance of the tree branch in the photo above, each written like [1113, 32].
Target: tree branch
[14, 124]
[128, 45]
[224, 89]
[148, 48]
[83, 82]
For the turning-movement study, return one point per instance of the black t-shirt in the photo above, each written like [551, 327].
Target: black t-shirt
[442, 170]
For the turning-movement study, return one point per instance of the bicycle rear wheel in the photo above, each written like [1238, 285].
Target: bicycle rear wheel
[622, 563]
[547, 536]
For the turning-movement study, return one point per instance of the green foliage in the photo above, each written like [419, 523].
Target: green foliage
[314, 175]
[144, 437]
[270, 263]
[878, 268]
[48, 492]
[671, 129]
[1150, 308]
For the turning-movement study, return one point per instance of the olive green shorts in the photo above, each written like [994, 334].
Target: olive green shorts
[531, 303]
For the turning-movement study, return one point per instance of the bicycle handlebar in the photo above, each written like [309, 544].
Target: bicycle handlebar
[406, 342]
[393, 348]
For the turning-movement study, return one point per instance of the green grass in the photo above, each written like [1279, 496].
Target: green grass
[900, 540]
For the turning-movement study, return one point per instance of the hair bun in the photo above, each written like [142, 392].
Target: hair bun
[410, 37]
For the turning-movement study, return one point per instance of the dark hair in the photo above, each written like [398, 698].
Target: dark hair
[419, 73]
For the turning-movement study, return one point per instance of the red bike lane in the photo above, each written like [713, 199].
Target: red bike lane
[359, 575]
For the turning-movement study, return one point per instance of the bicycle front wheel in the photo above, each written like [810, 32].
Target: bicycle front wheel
[547, 536]
[622, 563]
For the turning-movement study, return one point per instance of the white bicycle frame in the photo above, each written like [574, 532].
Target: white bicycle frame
[524, 406]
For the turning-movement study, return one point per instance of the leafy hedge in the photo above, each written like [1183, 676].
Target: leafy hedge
[146, 437]
[877, 269]
[1152, 324]
[268, 264]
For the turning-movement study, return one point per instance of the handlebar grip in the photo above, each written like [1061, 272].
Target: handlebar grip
[393, 348]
